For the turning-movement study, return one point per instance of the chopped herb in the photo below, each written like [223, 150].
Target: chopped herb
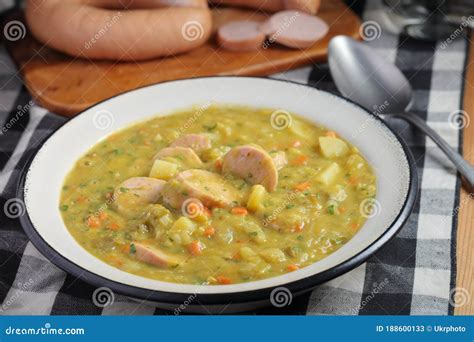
[331, 209]
[123, 190]
[289, 206]
[300, 237]
[65, 187]
[133, 249]
[64, 207]
[253, 233]
[82, 185]
[210, 127]
[185, 193]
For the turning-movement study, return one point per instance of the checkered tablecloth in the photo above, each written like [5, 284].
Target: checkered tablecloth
[413, 274]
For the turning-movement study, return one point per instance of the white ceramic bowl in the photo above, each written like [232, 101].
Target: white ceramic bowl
[42, 181]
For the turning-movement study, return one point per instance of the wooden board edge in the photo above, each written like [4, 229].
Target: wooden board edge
[465, 228]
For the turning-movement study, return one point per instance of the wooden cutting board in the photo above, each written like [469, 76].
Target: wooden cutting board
[67, 85]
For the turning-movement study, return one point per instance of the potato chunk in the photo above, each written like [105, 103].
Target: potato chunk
[181, 231]
[255, 200]
[255, 232]
[163, 169]
[329, 174]
[273, 255]
[333, 147]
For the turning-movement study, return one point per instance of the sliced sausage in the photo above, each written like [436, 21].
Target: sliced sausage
[252, 163]
[264, 5]
[209, 188]
[240, 36]
[197, 142]
[135, 192]
[154, 256]
[83, 30]
[295, 29]
[279, 158]
[183, 156]
[309, 6]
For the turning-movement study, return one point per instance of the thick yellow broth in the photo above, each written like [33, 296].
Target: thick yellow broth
[304, 220]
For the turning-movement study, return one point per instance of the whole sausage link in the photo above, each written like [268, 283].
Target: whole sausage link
[142, 4]
[310, 6]
[83, 30]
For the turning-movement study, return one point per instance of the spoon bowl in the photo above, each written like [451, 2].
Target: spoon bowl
[366, 78]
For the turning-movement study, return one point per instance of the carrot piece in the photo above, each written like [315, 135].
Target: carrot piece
[300, 160]
[239, 211]
[331, 134]
[195, 248]
[218, 164]
[299, 227]
[113, 226]
[209, 231]
[125, 249]
[353, 180]
[224, 280]
[342, 209]
[81, 199]
[302, 186]
[93, 221]
[102, 215]
[296, 143]
[292, 267]
[354, 225]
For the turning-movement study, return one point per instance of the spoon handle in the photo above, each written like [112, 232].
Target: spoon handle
[464, 168]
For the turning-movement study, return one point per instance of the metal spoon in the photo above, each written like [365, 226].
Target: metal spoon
[366, 78]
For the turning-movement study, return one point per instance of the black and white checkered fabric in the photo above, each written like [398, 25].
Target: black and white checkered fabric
[413, 274]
